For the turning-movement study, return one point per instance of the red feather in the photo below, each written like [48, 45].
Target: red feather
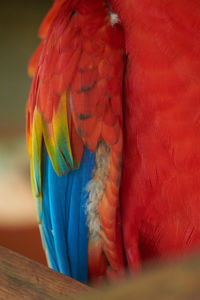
[161, 164]
[78, 101]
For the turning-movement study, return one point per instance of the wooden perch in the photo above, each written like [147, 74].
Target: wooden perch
[22, 278]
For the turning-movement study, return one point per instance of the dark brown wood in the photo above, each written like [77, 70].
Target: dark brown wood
[22, 278]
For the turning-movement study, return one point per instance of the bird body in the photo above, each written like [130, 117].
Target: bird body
[160, 184]
[93, 114]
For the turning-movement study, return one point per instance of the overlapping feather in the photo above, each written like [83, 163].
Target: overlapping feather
[75, 99]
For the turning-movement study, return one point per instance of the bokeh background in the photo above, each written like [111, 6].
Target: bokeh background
[19, 22]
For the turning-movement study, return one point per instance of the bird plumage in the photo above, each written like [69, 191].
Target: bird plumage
[74, 107]
[160, 201]
[92, 114]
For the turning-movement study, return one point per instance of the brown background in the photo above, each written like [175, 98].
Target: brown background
[19, 22]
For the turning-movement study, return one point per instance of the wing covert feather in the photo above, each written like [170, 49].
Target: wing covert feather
[75, 99]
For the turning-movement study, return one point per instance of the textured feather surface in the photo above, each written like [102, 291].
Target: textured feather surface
[161, 203]
[75, 100]
[63, 216]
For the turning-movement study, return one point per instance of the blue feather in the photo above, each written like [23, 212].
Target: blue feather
[64, 222]
[46, 226]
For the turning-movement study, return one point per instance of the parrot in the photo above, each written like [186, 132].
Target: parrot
[113, 134]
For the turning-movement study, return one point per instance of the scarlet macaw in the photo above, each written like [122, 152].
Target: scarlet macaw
[116, 94]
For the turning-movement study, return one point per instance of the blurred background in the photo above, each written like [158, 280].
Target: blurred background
[19, 22]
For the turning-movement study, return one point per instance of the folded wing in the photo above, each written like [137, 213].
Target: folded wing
[74, 121]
